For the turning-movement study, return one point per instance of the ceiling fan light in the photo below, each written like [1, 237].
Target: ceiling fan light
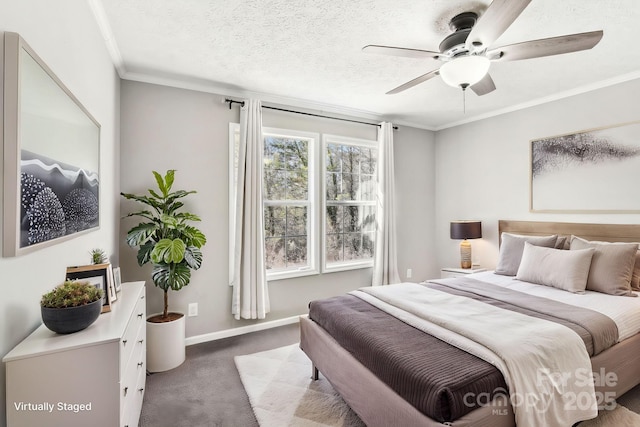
[465, 71]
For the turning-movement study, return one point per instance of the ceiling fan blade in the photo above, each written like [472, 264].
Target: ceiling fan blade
[414, 82]
[484, 86]
[400, 51]
[496, 19]
[546, 47]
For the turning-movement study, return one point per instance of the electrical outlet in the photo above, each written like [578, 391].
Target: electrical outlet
[409, 273]
[193, 309]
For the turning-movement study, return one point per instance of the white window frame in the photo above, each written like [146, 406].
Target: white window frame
[312, 217]
[342, 140]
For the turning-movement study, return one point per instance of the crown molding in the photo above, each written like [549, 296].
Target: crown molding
[107, 35]
[544, 100]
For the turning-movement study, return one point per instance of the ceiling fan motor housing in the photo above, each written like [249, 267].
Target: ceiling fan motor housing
[454, 43]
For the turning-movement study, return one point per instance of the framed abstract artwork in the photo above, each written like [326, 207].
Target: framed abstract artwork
[51, 156]
[593, 171]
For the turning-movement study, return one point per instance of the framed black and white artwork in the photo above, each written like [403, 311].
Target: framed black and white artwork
[593, 171]
[51, 155]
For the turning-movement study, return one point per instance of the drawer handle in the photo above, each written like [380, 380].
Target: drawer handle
[142, 297]
[126, 390]
[124, 342]
[140, 315]
[141, 390]
[140, 342]
[140, 364]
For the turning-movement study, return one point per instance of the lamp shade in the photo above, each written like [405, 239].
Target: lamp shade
[464, 71]
[466, 230]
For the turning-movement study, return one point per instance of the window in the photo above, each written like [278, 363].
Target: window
[349, 193]
[288, 197]
[346, 203]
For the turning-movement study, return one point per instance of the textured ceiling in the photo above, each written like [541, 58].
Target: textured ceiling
[308, 53]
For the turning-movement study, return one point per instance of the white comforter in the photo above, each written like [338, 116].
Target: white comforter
[544, 364]
[624, 311]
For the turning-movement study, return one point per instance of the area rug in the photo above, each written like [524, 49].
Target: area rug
[282, 394]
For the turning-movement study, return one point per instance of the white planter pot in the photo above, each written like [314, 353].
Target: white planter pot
[165, 345]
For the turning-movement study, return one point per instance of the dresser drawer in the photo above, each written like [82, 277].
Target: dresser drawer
[131, 412]
[135, 365]
[131, 338]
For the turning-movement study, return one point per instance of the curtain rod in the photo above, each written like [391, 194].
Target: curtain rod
[232, 101]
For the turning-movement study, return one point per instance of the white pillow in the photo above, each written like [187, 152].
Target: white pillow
[511, 250]
[558, 268]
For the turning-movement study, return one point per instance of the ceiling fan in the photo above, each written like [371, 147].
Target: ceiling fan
[467, 53]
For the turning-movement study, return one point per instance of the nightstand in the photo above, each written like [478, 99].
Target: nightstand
[447, 272]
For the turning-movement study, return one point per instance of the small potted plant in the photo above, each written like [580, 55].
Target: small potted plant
[98, 256]
[71, 306]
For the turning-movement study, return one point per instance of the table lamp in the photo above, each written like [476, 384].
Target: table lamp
[465, 230]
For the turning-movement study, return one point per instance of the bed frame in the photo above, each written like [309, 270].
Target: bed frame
[378, 405]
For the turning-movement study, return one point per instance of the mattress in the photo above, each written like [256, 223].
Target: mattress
[624, 311]
[431, 375]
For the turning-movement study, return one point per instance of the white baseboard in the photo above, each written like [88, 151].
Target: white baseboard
[241, 330]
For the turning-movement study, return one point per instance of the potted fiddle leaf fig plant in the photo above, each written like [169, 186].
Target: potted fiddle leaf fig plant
[168, 241]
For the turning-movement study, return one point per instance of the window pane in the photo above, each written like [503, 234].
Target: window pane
[368, 244]
[334, 183]
[350, 159]
[367, 187]
[273, 154]
[368, 161]
[297, 154]
[334, 219]
[296, 252]
[353, 246]
[296, 221]
[298, 185]
[334, 249]
[333, 158]
[369, 220]
[349, 187]
[274, 253]
[352, 218]
[275, 184]
[274, 221]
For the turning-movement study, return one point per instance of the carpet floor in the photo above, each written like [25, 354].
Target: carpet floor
[206, 390]
[282, 394]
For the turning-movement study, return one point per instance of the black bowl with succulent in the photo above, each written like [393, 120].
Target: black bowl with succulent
[71, 306]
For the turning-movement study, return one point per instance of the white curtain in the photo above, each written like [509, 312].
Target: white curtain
[250, 294]
[385, 265]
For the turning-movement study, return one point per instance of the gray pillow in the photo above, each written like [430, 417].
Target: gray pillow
[612, 265]
[635, 278]
[512, 247]
[558, 268]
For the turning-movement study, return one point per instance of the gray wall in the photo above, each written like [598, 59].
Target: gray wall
[169, 128]
[65, 35]
[482, 168]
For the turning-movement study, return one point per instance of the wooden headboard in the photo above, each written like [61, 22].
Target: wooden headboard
[601, 232]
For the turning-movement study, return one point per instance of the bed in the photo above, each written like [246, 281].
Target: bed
[380, 403]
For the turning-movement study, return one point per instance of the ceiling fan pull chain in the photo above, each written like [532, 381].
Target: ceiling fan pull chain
[464, 102]
[464, 86]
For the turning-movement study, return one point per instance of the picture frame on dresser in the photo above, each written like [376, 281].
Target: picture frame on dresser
[98, 275]
[117, 279]
[51, 143]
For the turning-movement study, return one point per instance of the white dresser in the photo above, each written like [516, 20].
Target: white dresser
[95, 377]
